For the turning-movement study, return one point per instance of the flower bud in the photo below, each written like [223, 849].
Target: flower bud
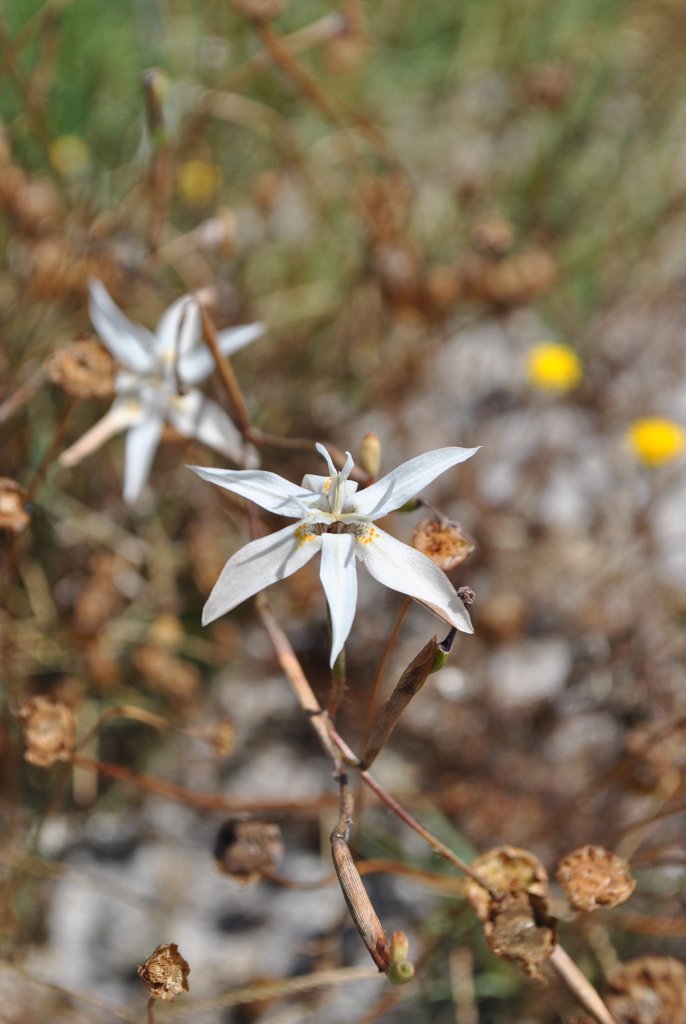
[370, 454]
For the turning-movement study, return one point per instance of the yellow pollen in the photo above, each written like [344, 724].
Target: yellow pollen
[303, 533]
[368, 535]
[326, 486]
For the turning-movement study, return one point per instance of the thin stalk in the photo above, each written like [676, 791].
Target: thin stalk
[226, 373]
[580, 987]
[378, 678]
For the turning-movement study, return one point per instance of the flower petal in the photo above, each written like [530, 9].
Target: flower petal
[198, 363]
[123, 413]
[258, 565]
[195, 415]
[130, 344]
[407, 570]
[141, 444]
[178, 330]
[406, 480]
[339, 579]
[268, 490]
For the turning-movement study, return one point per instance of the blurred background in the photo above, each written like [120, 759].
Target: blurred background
[463, 224]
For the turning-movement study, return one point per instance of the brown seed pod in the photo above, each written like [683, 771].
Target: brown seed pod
[519, 928]
[650, 990]
[165, 973]
[49, 731]
[247, 850]
[83, 368]
[442, 541]
[492, 235]
[506, 869]
[593, 877]
[13, 498]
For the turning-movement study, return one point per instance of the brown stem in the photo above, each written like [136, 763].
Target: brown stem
[225, 372]
[332, 742]
[44, 463]
[204, 801]
[360, 906]
[580, 987]
[378, 678]
[337, 686]
[409, 684]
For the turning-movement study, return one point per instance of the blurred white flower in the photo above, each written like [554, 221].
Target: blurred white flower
[334, 519]
[152, 388]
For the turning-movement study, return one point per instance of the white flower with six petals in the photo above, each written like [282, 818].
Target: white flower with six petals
[152, 388]
[338, 520]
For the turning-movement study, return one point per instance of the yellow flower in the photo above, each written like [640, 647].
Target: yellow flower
[199, 182]
[69, 154]
[656, 441]
[553, 367]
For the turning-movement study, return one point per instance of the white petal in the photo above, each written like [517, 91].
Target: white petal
[178, 331]
[122, 414]
[267, 490]
[233, 339]
[130, 344]
[141, 445]
[407, 480]
[198, 363]
[195, 415]
[258, 565]
[407, 570]
[339, 579]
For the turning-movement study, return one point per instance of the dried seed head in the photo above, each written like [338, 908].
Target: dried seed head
[650, 990]
[506, 869]
[84, 369]
[520, 929]
[247, 850]
[165, 973]
[49, 731]
[13, 498]
[492, 235]
[592, 877]
[370, 454]
[442, 541]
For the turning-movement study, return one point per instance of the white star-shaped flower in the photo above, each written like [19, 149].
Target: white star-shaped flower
[153, 387]
[336, 519]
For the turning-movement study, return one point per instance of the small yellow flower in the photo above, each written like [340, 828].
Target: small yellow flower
[199, 182]
[656, 441]
[553, 367]
[69, 155]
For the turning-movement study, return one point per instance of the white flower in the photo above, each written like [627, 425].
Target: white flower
[152, 386]
[336, 519]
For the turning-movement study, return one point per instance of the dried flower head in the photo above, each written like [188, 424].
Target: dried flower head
[247, 850]
[84, 369]
[506, 869]
[553, 367]
[655, 441]
[49, 731]
[13, 498]
[519, 928]
[442, 541]
[593, 877]
[165, 973]
[221, 736]
[492, 235]
[650, 990]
